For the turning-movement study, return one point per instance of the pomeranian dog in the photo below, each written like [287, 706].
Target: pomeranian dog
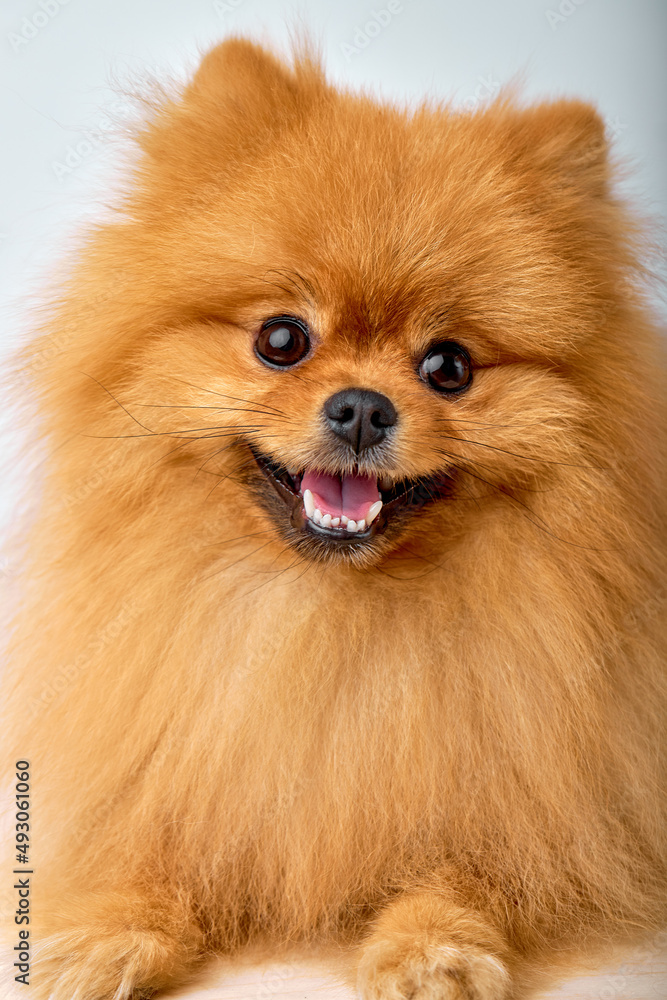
[341, 620]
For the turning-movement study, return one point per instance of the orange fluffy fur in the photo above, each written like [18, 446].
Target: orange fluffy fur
[446, 752]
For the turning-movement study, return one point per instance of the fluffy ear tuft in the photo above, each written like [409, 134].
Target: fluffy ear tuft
[243, 72]
[564, 140]
[240, 97]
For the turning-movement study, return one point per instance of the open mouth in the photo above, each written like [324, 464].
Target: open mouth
[348, 507]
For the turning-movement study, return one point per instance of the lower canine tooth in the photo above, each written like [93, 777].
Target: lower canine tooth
[308, 503]
[326, 520]
[373, 511]
[351, 525]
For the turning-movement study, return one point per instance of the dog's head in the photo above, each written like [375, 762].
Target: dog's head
[371, 324]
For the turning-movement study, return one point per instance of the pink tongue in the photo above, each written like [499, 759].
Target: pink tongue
[337, 495]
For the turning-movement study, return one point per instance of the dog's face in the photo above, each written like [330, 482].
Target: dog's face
[386, 316]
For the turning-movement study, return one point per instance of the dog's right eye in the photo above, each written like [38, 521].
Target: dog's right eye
[447, 368]
[282, 341]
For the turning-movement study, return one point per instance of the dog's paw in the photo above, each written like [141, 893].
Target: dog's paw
[425, 947]
[422, 969]
[78, 965]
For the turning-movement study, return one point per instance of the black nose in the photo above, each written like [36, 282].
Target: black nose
[360, 417]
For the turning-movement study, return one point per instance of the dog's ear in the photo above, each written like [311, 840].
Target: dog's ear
[240, 97]
[242, 74]
[563, 142]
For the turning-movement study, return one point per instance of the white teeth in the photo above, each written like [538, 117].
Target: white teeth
[308, 503]
[373, 511]
[315, 515]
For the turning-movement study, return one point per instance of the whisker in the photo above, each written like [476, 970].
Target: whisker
[218, 409]
[230, 474]
[108, 391]
[400, 579]
[541, 526]
[483, 465]
[272, 578]
[218, 451]
[236, 561]
[192, 435]
[237, 538]
[207, 472]
[151, 433]
[423, 558]
[222, 395]
[528, 458]
[172, 451]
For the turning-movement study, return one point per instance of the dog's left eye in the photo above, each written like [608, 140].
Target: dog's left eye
[282, 341]
[446, 367]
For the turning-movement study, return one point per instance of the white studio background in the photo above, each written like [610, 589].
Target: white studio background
[60, 155]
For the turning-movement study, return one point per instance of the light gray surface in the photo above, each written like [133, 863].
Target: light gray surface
[631, 979]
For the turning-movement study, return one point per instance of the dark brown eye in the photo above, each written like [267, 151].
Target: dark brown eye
[446, 367]
[282, 342]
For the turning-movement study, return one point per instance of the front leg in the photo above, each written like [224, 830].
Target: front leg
[426, 947]
[113, 946]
